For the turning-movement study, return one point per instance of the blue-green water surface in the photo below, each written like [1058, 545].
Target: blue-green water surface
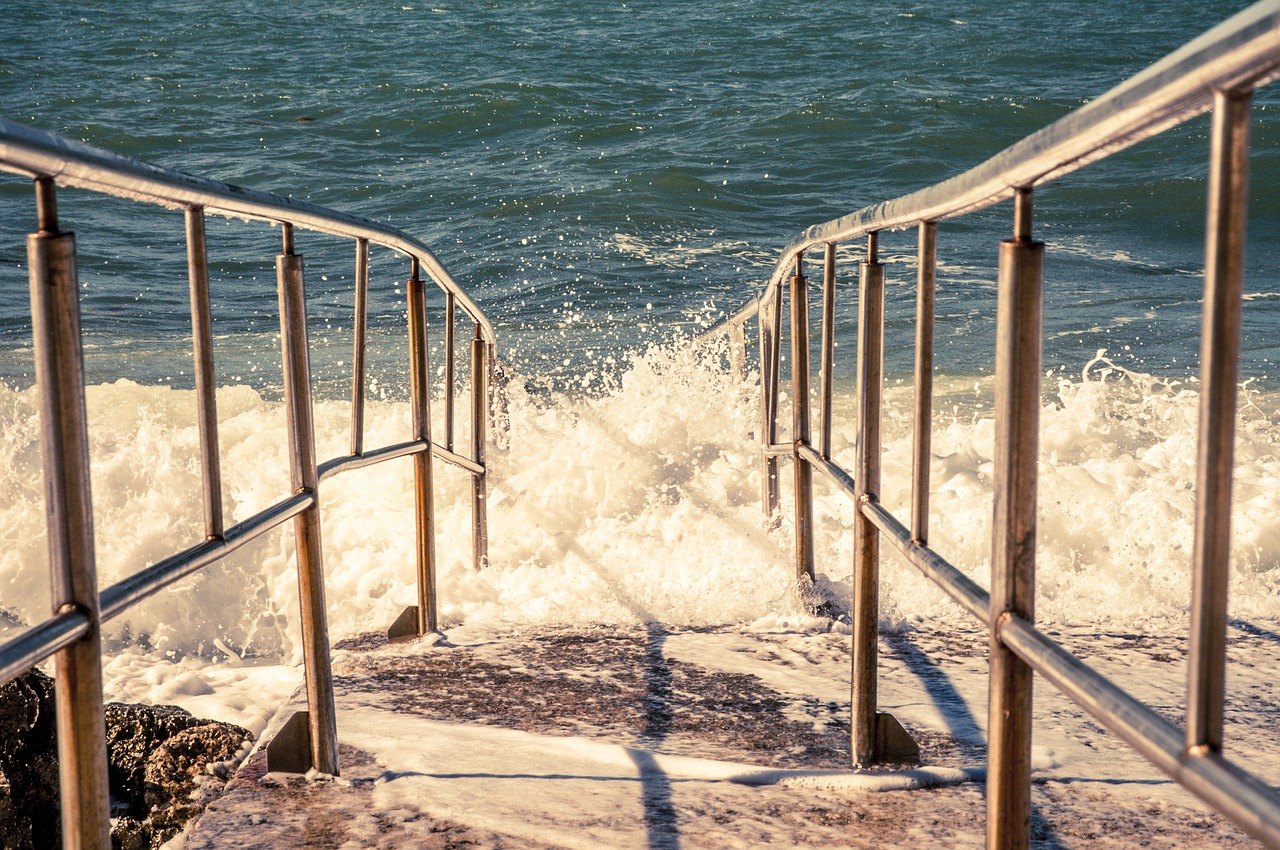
[598, 174]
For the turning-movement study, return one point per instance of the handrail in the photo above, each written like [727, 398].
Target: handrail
[36, 153]
[72, 634]
[1242, 52]
[41, 641]
[1219, 70]
[147, 582]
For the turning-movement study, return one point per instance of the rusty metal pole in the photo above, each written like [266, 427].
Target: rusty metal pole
[926, 279]
[450, 366]
[1013, 546]
[803, 473]
[423, 482]
[64, 442]
[479, 433]
[826, 375]
[770, 349]
[359, 346]
[421, 619]
[321, 717]
[866, 583]
[738, 351]
[1219, 372]
[202, 353]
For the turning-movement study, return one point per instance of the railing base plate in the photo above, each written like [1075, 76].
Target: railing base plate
[290, 750]
[893, 743]
[405, 628]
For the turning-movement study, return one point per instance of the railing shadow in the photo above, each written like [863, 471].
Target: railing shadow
[659, 810]
[951, 705]
[661, 821]
[961, 723]
[1253, 630]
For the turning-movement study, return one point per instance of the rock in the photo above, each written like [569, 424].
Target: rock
[129, 833]
[29, 759]
[177, 785]
[157, 758]
[156, 762]
[134, 734]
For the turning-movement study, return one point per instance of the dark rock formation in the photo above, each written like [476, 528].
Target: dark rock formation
[176, 771]
[157, 758]
[29, 760]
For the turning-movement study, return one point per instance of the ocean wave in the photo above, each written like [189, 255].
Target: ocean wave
[639, 501]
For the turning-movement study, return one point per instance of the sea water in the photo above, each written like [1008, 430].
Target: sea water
[608, 179]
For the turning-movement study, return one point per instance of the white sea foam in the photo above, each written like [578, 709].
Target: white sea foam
[638, 503]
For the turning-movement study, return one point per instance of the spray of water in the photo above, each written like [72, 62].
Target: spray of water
[639, 501]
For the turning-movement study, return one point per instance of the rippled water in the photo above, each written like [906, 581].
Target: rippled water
[598, 173]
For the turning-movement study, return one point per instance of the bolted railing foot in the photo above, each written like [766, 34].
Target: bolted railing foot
[406, 627]
[894, 744]
[290, 750]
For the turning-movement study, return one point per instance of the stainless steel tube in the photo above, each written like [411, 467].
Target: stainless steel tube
[1243, 51]
[20, 654]
[827, 374]
[738, 351]
[765, 340]
[206, 384]
[147, 582]
[1219, 372]
[803, 475]
[453, 459]
[1245, 799]
[423, 483]
[962, 589]
[315, 629]
[359, 344]
[64, 441]
[866, 538]
[479, 429]
[842, 480]
[770, 350]
[1013, 545]
[34, 152]
[926, 279]
[450, 368]
[372, 457]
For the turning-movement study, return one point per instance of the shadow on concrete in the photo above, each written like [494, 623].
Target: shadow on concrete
[961, 722]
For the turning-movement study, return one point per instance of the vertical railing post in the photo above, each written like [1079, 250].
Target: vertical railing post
[360, 323]
[770, 355]
[866, 538]
[450, 369]
[738, 351]
[826, 375]
[1219, 372]
[321, 719]
[64, 441]
[803, 473]
[926, 277]
[1013, 546]
[499, 420]
[479, 433]
[423, 482]
[202, 353]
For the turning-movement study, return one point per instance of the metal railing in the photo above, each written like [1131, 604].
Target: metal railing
[1218, 71]
[72, 634]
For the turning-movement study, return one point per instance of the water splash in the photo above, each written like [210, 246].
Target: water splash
[638, 502]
